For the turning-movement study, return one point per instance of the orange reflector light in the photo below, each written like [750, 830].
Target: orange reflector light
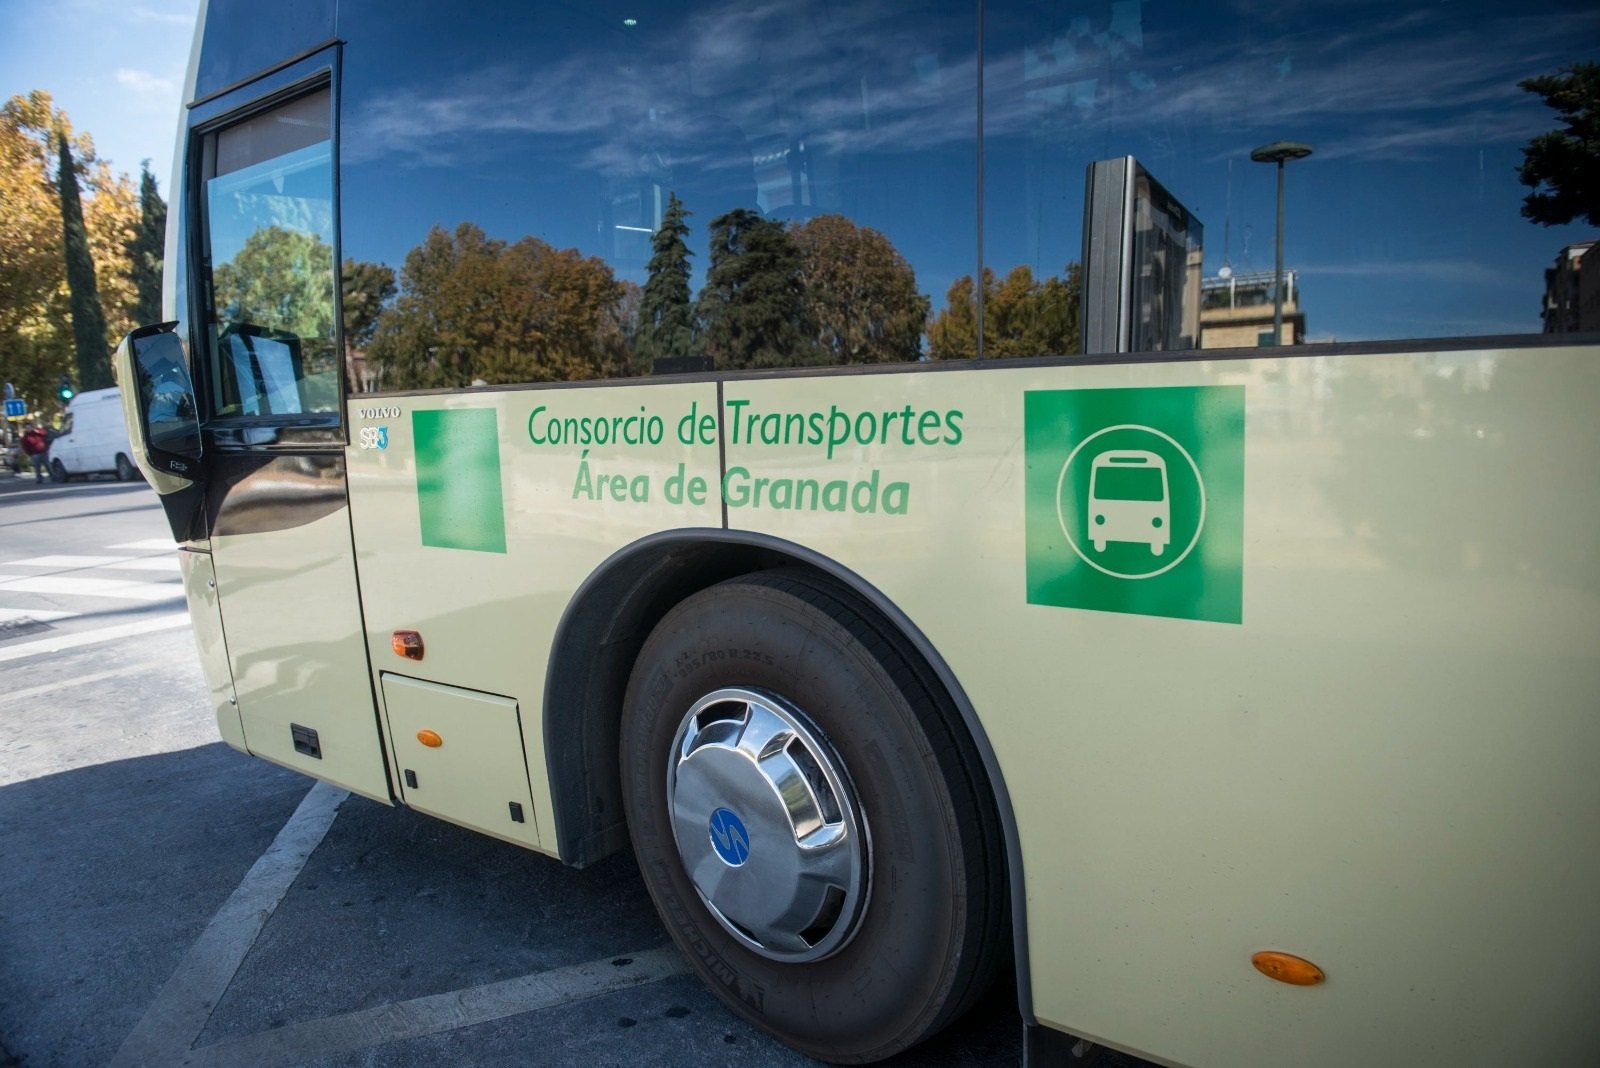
[407, 643]
[430, 739]
[1287, 968]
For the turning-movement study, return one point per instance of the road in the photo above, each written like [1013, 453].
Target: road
[168, 901]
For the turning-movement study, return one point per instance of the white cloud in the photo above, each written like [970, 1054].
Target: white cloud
[141, 81]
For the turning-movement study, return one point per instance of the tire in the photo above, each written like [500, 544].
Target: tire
[126, 472]
[910, 924]
[58, 471]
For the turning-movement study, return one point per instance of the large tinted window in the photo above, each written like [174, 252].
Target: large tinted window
[572, 191]
[1404, 221]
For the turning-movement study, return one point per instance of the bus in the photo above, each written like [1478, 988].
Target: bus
[671, 428]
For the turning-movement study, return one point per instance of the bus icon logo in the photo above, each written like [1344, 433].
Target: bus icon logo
[1135, 500]
[1119, 502]
[1128, 500]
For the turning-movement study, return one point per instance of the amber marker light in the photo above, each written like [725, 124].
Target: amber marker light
[430, 739]
[1287, 968]
[407, 643]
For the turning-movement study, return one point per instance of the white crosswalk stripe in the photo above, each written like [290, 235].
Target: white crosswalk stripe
[38, 591]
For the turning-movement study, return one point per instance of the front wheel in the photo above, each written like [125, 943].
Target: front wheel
[126, 472]
[812, 822]
[58, 471]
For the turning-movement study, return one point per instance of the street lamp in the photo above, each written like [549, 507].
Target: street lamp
[1279, 152]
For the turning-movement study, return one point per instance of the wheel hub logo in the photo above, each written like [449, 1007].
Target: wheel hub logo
[729, 838]
[1135, 500]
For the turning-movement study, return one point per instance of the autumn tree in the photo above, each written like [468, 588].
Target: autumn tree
[146, 249]
[666, 313]
[860, 293]
[1022, 316]
[752, 308]
[1567, 161]
[471, 307]
[36, 340]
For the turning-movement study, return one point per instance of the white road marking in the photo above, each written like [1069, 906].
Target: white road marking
[146, 545]
[121, 589]
[61, 642]
[50, 688]
[148, 563]
[180, 1010]
[354, 1031]
[63, 562]
[8, 615]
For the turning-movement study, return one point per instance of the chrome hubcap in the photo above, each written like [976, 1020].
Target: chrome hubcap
[768, 825]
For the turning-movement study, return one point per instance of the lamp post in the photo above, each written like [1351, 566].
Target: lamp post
[1279, 152]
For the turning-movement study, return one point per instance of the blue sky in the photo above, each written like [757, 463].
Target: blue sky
[115, 67]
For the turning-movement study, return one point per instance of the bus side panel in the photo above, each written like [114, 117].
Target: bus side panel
[1359, 729]
[477, 516]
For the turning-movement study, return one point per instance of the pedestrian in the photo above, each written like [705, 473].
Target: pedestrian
[37, 445]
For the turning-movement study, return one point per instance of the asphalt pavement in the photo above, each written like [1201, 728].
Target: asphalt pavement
[166, 900]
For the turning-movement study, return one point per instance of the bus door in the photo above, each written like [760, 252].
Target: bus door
[270, 381]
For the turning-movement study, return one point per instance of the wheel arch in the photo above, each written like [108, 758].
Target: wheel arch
[598, 640]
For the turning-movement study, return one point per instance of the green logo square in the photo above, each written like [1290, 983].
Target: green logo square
[459, 499]
[1135, 500]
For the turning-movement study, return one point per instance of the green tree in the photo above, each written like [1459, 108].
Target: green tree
[753, 308]
[88, 320]
[1566, 161]
[473, 308]
[280, 279]
[1022, 316]
[364, 289]
[146, 249]
[666, 314]
[861, 294]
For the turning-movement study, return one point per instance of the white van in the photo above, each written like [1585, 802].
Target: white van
[95, 438]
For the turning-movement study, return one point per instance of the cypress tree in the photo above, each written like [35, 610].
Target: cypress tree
[146, 249]
[753, 306]
[666, 316]
[88, 321]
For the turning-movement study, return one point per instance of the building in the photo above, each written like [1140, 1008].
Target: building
[1236, 311]
[1571, 294]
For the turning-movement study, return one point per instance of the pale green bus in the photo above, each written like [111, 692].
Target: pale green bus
[676, 427]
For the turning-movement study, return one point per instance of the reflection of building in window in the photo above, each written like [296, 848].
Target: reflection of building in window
[1572, 294]
[1236, 312]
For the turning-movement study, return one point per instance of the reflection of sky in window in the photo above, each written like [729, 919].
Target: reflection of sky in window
[566, 124]
[292, 191]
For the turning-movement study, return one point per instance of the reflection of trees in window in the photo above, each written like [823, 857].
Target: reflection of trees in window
[861, 294]
[1567, 161]
[364, 289]
[1022, 316]
[753, 308]
[472, 307]
[666, 314]
[282, 280]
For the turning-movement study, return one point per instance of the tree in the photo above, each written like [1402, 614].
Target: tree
[1021, 316]
[753, 308]
[472, 307]
[666, 314]
[146, 249]
[364, 289]
[1566, 161]
[280, 279]
[36, 341]
[861, 294]
[88, 320]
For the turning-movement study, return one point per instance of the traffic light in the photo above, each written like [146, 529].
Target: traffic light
[65, 390]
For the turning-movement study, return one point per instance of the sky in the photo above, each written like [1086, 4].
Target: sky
[115, 67]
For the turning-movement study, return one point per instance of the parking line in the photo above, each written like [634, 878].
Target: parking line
[355, 1031]
[180, 1010]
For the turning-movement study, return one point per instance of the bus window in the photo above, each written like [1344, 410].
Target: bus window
[269, 261]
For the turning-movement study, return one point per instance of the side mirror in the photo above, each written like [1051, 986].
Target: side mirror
[158, 400]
